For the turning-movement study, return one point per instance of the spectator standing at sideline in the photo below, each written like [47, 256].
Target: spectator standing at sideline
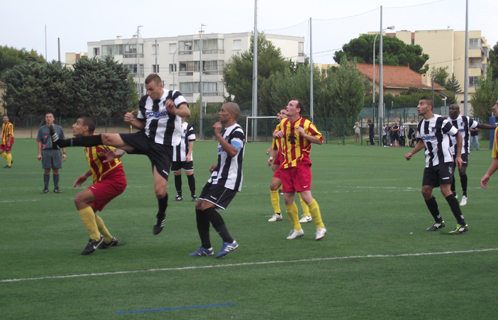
[7, 141]
[357, 132]
[474, 138]
[371, 131]
[402, 135]
[50, 158]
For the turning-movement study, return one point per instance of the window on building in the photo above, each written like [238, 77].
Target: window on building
[155, 68]
[96, 52]
[473, 82]
[413, 41]
[237, 44]
[133, 68]
[112, 50]
[300, 49]
[172, 68]
[208, 88]
[185, 47]
[188, 67]
[475, 43]
[172, 47]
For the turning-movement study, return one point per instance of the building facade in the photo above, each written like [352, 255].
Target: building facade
[177, 60]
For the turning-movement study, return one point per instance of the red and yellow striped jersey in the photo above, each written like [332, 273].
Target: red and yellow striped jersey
[7, 129]
[95, 158]
[295, 148]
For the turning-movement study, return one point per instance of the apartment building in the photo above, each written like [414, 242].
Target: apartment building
[446, 48]
[177, 60]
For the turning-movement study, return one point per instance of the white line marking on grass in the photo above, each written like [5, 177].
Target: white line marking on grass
[27, 200]
[250, 264]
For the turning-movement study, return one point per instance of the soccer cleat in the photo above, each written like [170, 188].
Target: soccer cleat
[295, 234]
[320, 233]
[226, 248]
[7, 167]
[305, 219]
[159, 225]
[194, 198]
[464, 201]
[459, 229]
[178, 198]
[202, 252]
[281, 192]
[56, 190]
[92, 245]
[45, 191]
[113, 243]
[275, 217]
[54, 138]
[436, 226]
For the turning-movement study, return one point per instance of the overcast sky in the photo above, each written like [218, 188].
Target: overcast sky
[77, 22]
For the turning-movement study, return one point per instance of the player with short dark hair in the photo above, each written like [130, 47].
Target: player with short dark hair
[224, 183]
[182, 159]
[463, 124]
[433, 134]
[159, 121]
[109, 181]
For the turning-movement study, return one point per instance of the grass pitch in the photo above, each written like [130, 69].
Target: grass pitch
[376, 262]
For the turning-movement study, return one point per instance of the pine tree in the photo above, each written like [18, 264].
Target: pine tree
[453, 85]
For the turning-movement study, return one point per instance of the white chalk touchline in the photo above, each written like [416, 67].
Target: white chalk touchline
[248, 264]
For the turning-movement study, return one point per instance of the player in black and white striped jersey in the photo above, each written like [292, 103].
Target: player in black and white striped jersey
[433, 134]
[463, 124]
[183, 159]
[224, 183]
[159, 122]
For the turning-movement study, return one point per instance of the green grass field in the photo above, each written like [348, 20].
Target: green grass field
[376, 262]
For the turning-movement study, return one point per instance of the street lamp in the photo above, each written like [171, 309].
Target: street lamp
[380, 75]
[373, 84]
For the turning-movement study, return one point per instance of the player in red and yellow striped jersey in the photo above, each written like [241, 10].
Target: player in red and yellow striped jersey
[7, 141]
[277, 158]
[494, 163]
[297, 135]
[109, 181]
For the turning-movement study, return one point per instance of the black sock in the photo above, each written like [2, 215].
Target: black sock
[46, 180]
[83, 141]
[453, 188]
[203, 228]
[463, 180]
[163, 204]
[218, 224]
[432, 205]
[178, 184]
[455, 208]
[191, 184]
[56, 180]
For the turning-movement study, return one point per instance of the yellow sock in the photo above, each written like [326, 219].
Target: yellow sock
[306, 209]
[275, 201]
[315, 213]
[4, 155]
[9, 159]
[293, 217]
[103, 229]
[88, 218]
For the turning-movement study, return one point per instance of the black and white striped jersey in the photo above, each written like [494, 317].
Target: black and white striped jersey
[435, 133]
[181, 150]
[463, 124]
[228, 172]
[160, 126]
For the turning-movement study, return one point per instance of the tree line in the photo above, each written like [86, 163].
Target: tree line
[94, 87]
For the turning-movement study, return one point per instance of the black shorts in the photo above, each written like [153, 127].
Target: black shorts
[179, 165]
[160, 155]
[217, 195]
[465, 160]
[438, 175]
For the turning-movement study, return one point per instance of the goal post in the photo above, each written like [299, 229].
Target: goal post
[254, 126]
